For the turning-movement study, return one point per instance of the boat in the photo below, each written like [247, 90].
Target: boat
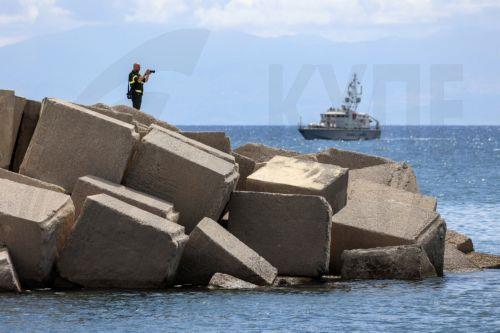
[344, 123]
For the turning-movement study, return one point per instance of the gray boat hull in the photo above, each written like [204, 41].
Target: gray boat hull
[339, 134]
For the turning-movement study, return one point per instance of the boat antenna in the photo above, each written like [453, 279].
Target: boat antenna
[353, 97]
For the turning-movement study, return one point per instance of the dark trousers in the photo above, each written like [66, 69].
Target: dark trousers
[136, 101]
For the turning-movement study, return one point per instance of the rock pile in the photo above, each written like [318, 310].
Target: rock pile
[110, 197]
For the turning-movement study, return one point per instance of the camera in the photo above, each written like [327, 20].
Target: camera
[152, 71]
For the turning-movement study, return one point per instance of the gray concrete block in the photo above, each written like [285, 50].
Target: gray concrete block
[292, 232]
[456, 261]
[8, 275]
[294, 176]
[197, 182]
[462, 242]
[349, 159]
[262, 153]
[246, 167]
[484, 260]
[31, 114]
[217, 140]
[18, 178]
[106, 110]
[34, 224]
[116, 245]
[144, 118]
[212, 249]
[90, 185]
[365, 224]
[398, 175]
[11, 112]
[361, 189]
[407, 262]
[225, 281]
[71, 142]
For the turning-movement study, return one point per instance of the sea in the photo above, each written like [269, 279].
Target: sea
[458, 165]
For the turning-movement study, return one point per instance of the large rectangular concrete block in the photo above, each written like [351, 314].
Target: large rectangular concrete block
[90, 185]
[116, 245]
[365, 224]
[260, 153]
[406, 262]
[462, 242]
[295, 176]
[246, 167]
[197, 181]
[290, 231]
[21, 179]
[361, 189]
[11, 113]
[217, 140]
[398, 175]
[212, 249]
[8, 275]
[71, 142]
[34, 224]
[144, 118]
[31, 114]
[456, 261]
[348, 159]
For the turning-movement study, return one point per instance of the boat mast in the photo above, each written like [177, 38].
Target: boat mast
[353, 94]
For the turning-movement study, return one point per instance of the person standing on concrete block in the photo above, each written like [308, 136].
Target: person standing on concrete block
[136, 85]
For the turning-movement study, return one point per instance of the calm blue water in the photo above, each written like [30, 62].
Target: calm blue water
[459, 165]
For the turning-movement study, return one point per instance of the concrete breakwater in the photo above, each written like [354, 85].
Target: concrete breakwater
[109, 197]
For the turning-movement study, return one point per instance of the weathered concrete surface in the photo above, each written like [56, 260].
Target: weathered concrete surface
[262, 153]
[11, 113]
[225, 281]
[348, 159]
[361, 189]
[197, 182]
[462, 242]
[116, 245]
[456, 261]
[292, 232]
[294, 281]
[484, 260]
[34, 224]
[31, 114]
[90, 185]
[18, 178]
[71, 142]
[369, 224]
[246, 167]
[294, 176]
[212, 249]
[217, 140]
[144, 118]
[406, 262]
[106, 110]
[398, 175]
[8, 275]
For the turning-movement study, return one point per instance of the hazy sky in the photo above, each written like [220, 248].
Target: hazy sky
[232, 78]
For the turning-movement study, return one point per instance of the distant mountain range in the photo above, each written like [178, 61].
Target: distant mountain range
[224, 78]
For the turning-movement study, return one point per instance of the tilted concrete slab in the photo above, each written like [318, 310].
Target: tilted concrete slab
[8, 275]
[484, 260]
[18, 178]
[34, 224]
[217, 140]
[348, 159]
[398, 175]
[365, 224]
[294, 176]
[197, 182]
[11, 113]
[290, 231]
[246, 167]
[261, 153]
[212, 249]
[31, 114]
[456, 261]
[90, 185]
[106, 110]
[116, 245]
[361, 189]
[406, 262]
[144, 118]
[71, 142]
[225, 281]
